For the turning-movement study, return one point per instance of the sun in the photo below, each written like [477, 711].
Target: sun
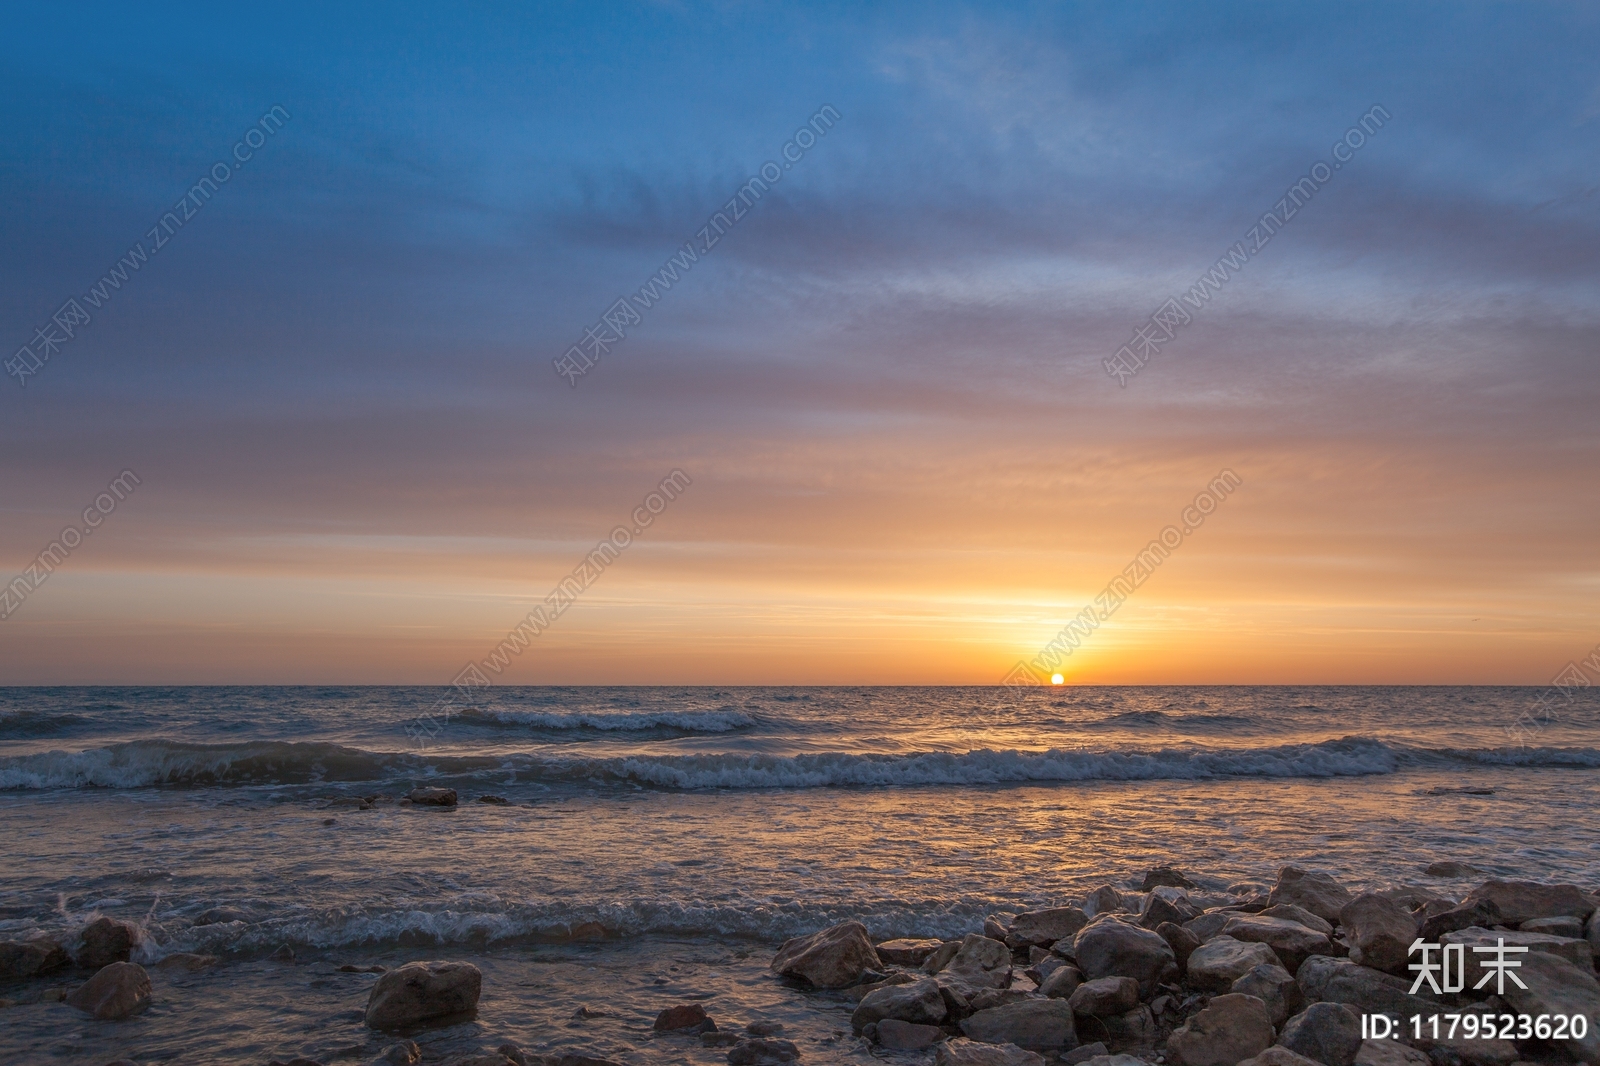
[1056, 679]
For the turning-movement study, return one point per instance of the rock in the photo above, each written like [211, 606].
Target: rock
[1103, 900]
[1034, 1024]
[405, 1053]
[1165, 876]
[907, 1036]
[1291, 913]
[482, 1058]
[1577, 952]
[1217, 964]
[432, 797]
[1209, 924]
[919, 1002]
[187, 962]
[1180, 940]
[717, 1038]
[1565, 926]
[907, 952]
[1083, 1053]
[683, 1016]
[1229, 1030]
[1464, 1052]
[995, 926]
[1555, 986]
[498, 800]
[1274, 986]
[764, 1028]
[1062, 982]
[420, 992]
[1329, 1033]
[1112, 1060]
[1048, 926]
[1450, 869]
[1519, 901]
[1167, 905]
[1379, 932]
[981, 963]
[755, 1051]
[833, 958]
[1390, 1052]
[1278, 1056]
[1292, 942]
[984, 998]
[1368, 991]
[1107, 947]
[31, 957]
[1591, 931]
[1316, 892]
[1131, 1029]
[862, 991]
[106, 940]
[118, 990]
[1481, 912]
[941, 958]
[1104, 996]
[960, 1052]
[1040, 971]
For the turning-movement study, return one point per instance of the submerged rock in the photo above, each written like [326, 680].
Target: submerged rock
[186, 961]
[755, 1051]
[836, 957]
[32, 957]
[432, 797]
[683, 1016]
[120, 989]
[420, 992]
[106, 940]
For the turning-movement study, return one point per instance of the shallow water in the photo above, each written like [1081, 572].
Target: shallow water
[699, 828]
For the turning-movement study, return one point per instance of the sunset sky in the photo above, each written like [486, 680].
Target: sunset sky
[357, 464]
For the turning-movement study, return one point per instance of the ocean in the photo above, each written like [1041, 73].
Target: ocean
[657, 844]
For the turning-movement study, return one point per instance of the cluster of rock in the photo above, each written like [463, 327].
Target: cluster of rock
[1176, 975]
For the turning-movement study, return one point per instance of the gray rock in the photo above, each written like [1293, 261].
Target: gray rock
[1180, 940]
[1555, 986]
[1578, 952]
[1217, 964]
[919, 1002]
[1108, 947]
[682, 1016]
[1082, 1053]
[1169, 905]
[836, 957]
[1229, 1030]
[1520, 901]
[1450, 869]
[118, 990]
[1290, 912]
[941, 958]
[1133, 1029]
[981, 963]
[106, 940]
[32, 957]
[1104, 900]
[421, 992]
[907, 952]
[1390, 1052]
[1480, 912]
[961, 1052]
[1316, 892]
[907, 1036]
[1379, 932]
[1329, 1033]
[1035, 1024]
[1165, 876]
[432, 797]
[1369, 991]
[1565, 926]
[1105, 996]
[1040, 971]
[754, 1051]
[1278, 1056]
[1209, 924]
[1047, 926]
[1062, 982]
[1274, 986]
[1292, 942]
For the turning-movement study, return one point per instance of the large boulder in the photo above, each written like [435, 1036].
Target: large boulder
[1180, 940]
[1229, 1030]
[1104, 900]
[1167, 905]
[1062, 982]
[959, 1052]
[1134, 1029]
[1577, 952]
[1046, 927]
[1104, 996]
[115, 992]
[1379, 931]
[32, 957]
[1165, 876]
[1107, 947]
[1209, 924]
[941, 956]
[1460, 1051]
[1215, 965]
[1329, 1033]
[907, 952]
[1519, 901]
[1038, 1024]
[432, 797]
[1290, 912]
[1555, 986]
[683, 1016]
[1316, 892]
[918, 1002]
[836, 957]
[1292, 942]
[1566, 925]
[980, 963]
[897, 1035]
[1369, 991]
[1274, 986]
[420, 992]
[1478, 912]
[106, 940]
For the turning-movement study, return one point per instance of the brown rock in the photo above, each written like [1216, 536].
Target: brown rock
[106, 940]
[1229, 1030]
[897, 1035]
[833, 958]
[189, 963]
[1292, 942]
[1165, 876]
[1062, 982]
[1519, 901]
[1389, 1053]
[1555, 986]
[1329, 1033]
[1048, 926]
[1104, 900]
[962, 1052]
[1274, 986]
[1577, 952]
[32, 957]
[1289, 912]
[1379, 931]
[1180, 940]
[981, 963]
[1104, 996]
[683, 1016]
[907, 952]
[1316, 892]
[1108, 947]
[920, 1002]
[117, 991]
[432, 797]
[1450, 869]
[941, 958]
[1035, 1024]
[421, 992]
[1217, 964]
[1210, 924]
[1479, 912]
[1564, 926]
[1281, 1056]
[754, 1051]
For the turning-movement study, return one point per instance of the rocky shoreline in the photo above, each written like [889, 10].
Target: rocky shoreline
[1167, 969]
